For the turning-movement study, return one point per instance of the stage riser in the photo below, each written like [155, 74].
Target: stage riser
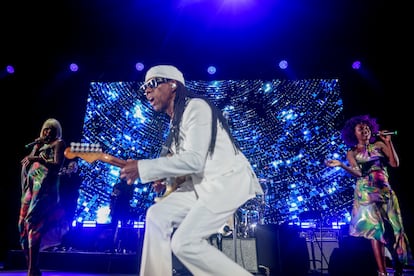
[79, 262]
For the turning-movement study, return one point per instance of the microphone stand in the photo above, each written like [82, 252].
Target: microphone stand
[236, 225]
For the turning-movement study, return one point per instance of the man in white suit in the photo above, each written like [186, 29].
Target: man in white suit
[214, 175]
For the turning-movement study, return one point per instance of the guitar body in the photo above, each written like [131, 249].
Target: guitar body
[92, 152]
[170, 186]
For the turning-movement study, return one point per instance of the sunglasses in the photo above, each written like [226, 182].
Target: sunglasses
[153, 83]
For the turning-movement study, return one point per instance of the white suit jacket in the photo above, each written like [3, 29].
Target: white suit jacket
[224, 180]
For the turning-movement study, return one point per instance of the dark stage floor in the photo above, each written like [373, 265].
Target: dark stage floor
[273, 252]
[407, 272]
[59, 273]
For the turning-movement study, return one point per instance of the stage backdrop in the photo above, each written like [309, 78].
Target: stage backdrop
[286, 128]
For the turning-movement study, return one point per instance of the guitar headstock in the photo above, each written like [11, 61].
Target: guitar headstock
[91, 153]
[86, 151]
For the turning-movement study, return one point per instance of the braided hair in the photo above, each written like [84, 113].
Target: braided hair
[181, 99]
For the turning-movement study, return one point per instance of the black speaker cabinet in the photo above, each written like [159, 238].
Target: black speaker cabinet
[353, 257]
[281, 250]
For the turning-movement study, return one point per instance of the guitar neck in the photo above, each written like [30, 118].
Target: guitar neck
[112, 160]
[94, 155]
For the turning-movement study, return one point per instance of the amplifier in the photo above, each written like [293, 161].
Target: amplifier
[320, 242]
[245, 253]
[320, 252]
[324, 234]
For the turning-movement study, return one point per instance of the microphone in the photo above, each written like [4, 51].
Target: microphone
[385, 133]
[37, 141]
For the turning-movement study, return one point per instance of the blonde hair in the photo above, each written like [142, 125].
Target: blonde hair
[51, 122]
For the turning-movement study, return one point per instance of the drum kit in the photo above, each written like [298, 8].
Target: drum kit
[244, 221]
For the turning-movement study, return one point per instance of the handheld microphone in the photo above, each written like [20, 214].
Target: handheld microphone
[385, 133]
[31, 144]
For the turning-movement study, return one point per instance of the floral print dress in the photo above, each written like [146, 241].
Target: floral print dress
[376, 213]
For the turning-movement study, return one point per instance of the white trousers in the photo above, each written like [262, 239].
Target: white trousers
[194, 224]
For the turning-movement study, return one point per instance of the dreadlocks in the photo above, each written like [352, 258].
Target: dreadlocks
[183, 95]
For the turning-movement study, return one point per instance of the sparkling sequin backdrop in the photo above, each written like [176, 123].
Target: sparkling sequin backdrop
[286, 128]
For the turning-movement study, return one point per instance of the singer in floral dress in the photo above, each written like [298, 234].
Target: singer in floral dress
[40, 184]
[376, 213]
